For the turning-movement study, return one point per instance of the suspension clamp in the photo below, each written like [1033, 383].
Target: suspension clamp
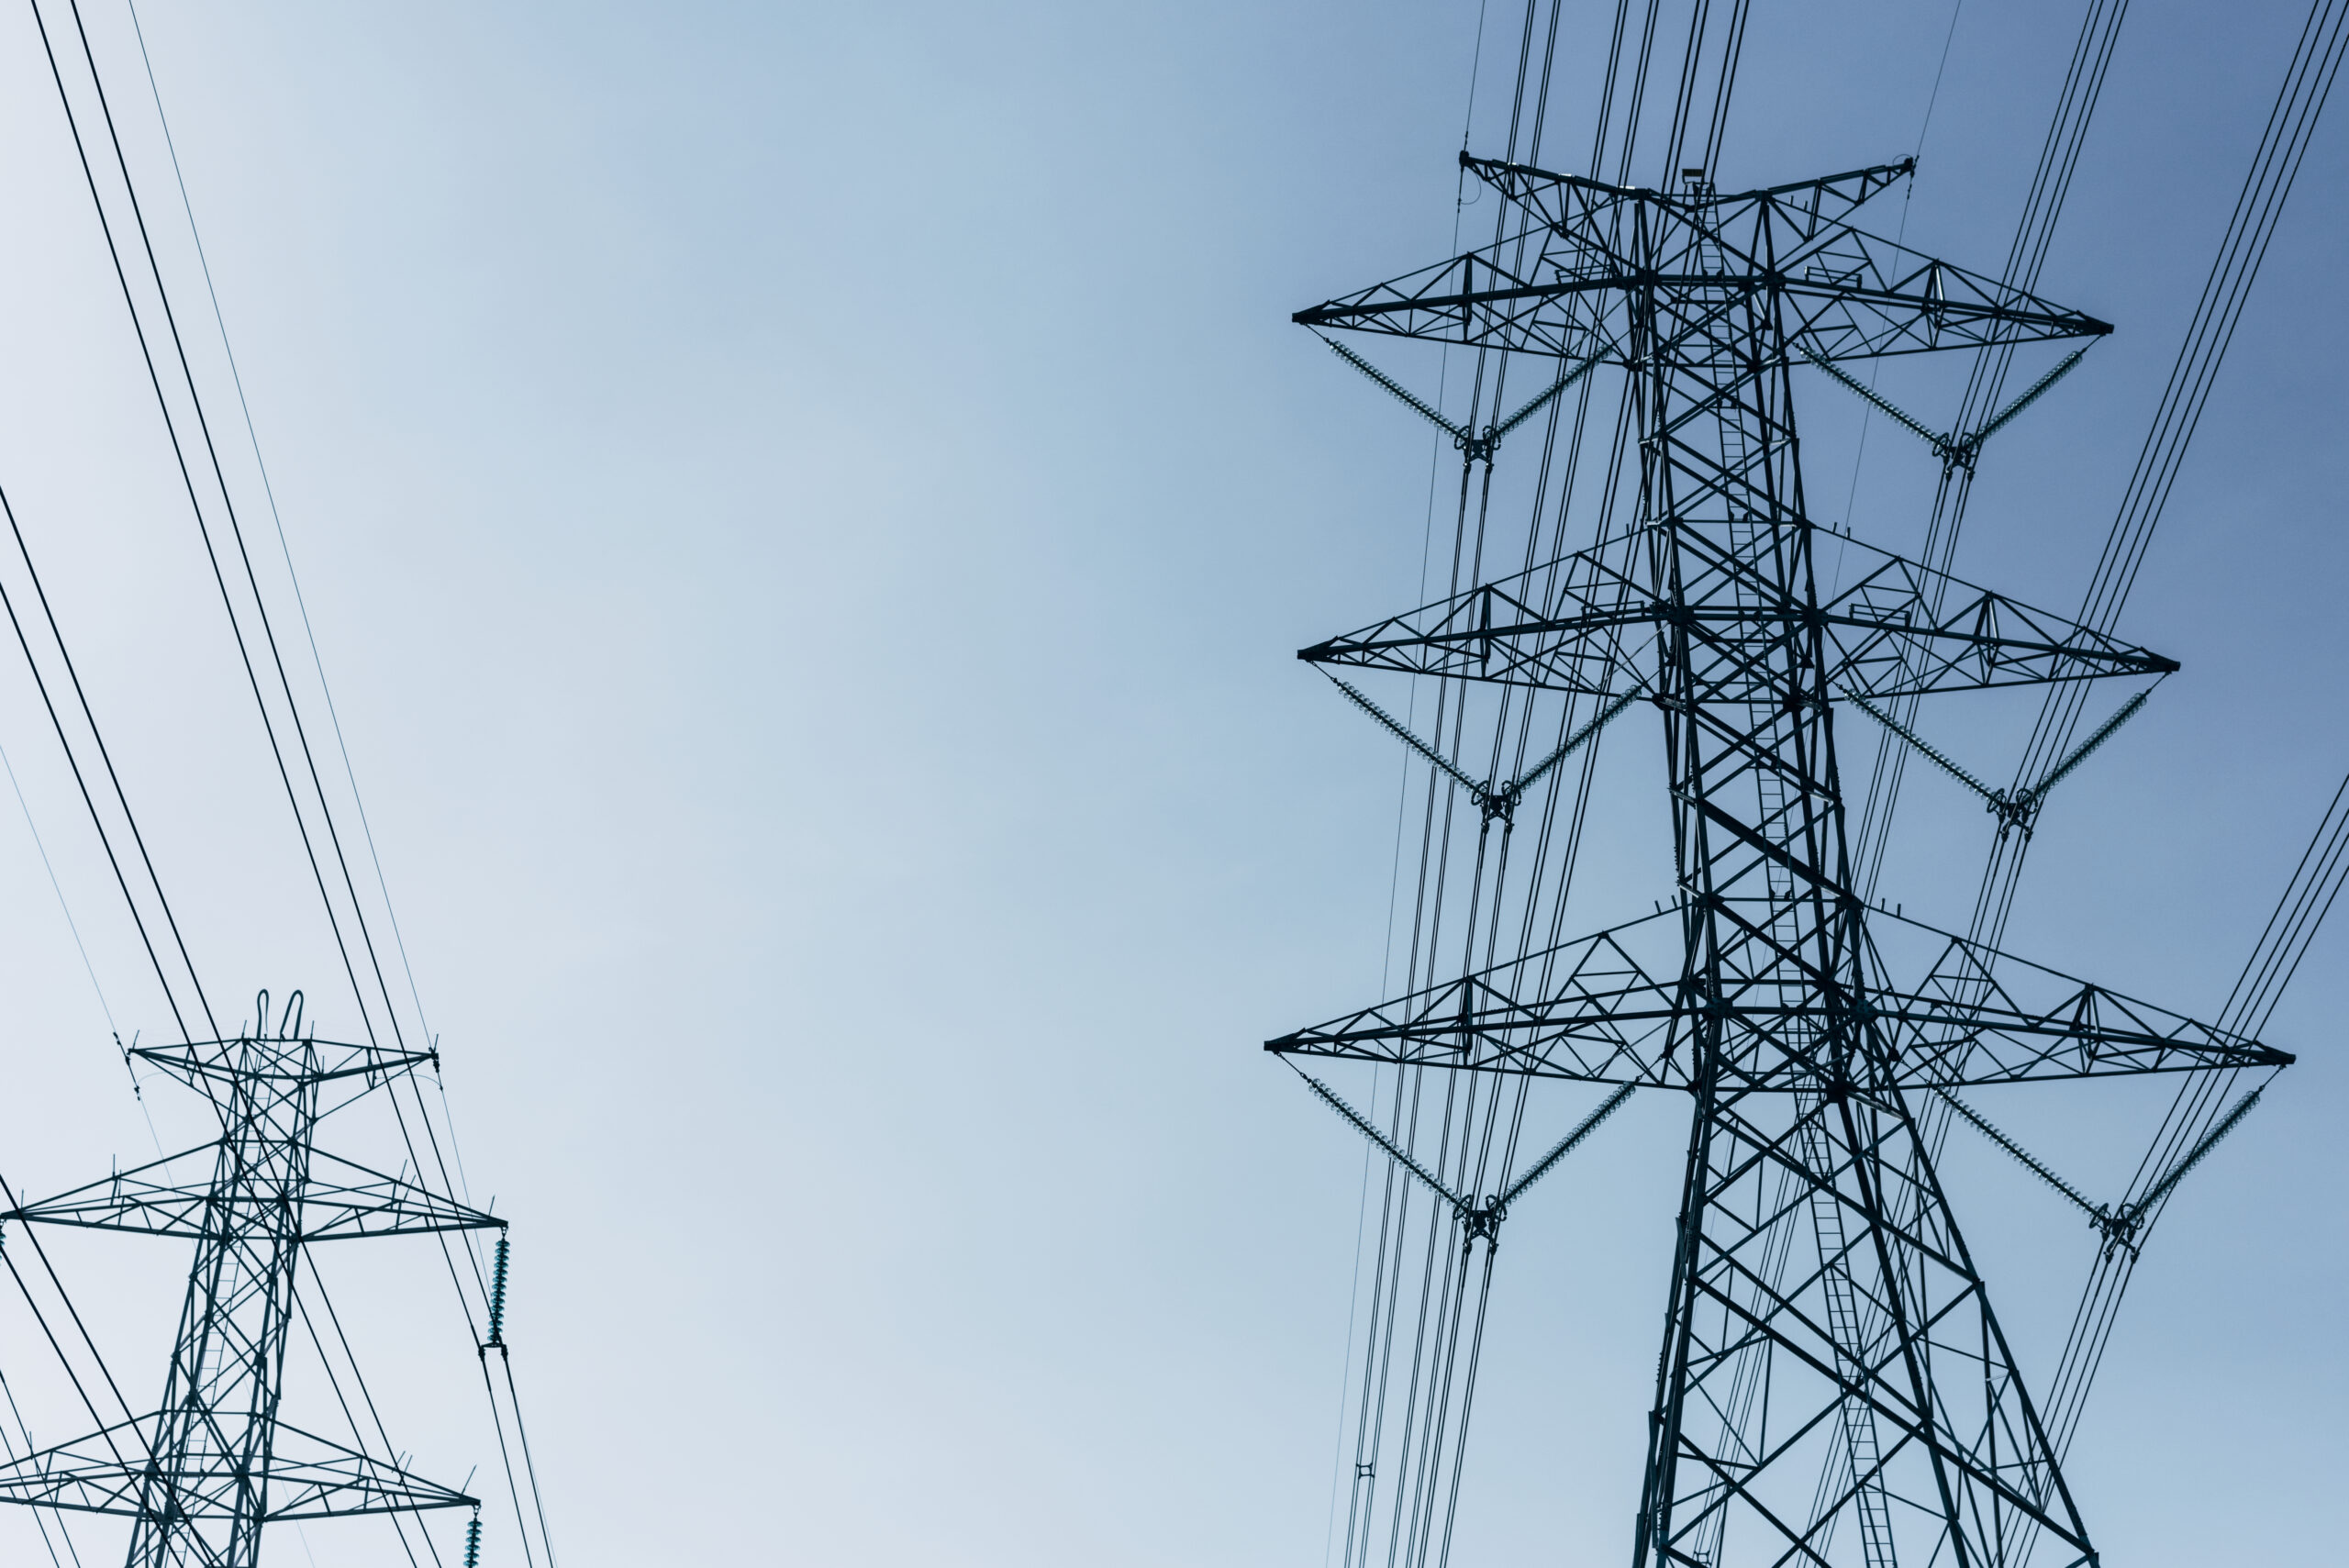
[2013, 811]
[2118, 1227]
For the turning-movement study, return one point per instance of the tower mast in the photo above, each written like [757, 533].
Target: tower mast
[1831, 1358]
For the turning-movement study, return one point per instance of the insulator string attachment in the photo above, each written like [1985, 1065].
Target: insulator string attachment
[496, 1341]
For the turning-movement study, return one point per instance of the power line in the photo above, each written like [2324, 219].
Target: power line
[201, 440]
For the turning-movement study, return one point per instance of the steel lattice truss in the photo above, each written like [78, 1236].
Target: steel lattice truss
[1834, 1386]
[1623, 1006]
[309, 1478]
[1576, 278]
[213, 1464]
[1588, 624]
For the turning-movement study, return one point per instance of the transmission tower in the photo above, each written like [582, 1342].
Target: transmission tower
[213, 1464]
[1833, 1385]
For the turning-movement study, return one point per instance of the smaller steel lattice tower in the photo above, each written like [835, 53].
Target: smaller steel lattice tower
[213, 1464]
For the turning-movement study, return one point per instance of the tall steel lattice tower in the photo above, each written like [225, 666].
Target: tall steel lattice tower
[1834, 1385]
[213, 1463]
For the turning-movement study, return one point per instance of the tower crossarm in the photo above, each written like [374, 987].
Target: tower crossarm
[1605, 1017]
[1979, 1016]
[1582, 624]
[311, 1477]
[1572, 203]
[1563, 283]
[1930, 1041]
[178, 1197]
[206, 1065]
[348, 1200]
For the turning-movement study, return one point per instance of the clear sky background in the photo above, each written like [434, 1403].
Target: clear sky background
[807, 512]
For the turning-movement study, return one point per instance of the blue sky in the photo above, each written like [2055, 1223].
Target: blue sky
[807, 513]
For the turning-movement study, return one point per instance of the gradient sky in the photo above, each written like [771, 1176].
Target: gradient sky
[807, 512]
